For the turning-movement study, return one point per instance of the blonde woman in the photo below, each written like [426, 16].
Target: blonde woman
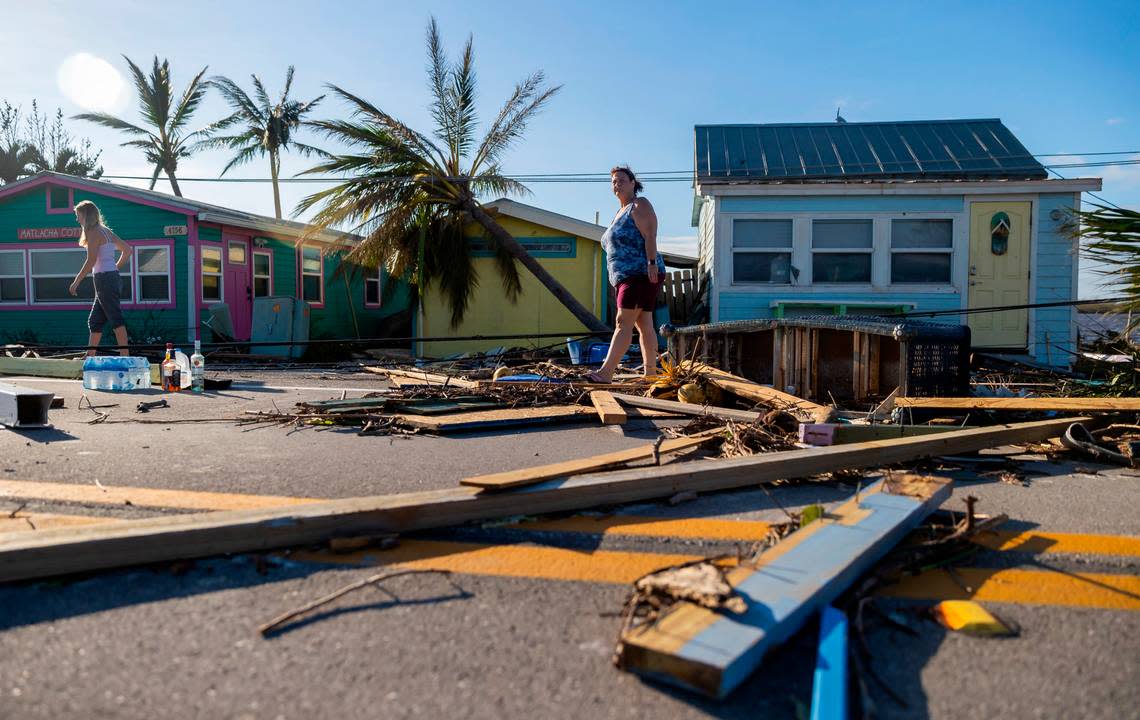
[101, 243]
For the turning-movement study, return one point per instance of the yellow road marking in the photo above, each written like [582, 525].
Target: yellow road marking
[1031, 587]
[1026, 587]
[706, 528]
[1037, 542]
[146, 497]
[600, 566]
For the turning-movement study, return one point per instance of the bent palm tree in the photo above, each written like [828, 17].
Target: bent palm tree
[168, 142]
[1115, 236]
[268, 126]
[408, 193]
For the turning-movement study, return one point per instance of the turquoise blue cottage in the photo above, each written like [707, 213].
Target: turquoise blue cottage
[889, 218]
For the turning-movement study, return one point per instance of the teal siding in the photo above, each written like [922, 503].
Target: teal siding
[344, 314]
[752, 305]
[1056, 253]
[847, 203]
[69, 326]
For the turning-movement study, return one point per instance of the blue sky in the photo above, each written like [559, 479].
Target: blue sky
[636, 77]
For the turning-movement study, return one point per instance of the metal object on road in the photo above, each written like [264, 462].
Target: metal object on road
[24, 408]
[147, 406]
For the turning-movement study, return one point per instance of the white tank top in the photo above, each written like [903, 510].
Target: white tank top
[105, 257]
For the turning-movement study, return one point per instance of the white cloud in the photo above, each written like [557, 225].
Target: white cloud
[679, 244]
[1114, 121]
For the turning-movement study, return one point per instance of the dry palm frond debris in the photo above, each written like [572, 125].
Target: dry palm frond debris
[772, 433]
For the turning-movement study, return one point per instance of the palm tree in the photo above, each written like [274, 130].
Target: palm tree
[167, 141]
[268, 127]
[410, 197]
[1115, 235]
[17, 160]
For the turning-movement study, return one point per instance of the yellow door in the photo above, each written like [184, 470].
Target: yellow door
[999, 273]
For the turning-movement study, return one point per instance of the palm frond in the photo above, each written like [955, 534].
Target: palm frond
[112, 122]
[191, 98]
[526, 101]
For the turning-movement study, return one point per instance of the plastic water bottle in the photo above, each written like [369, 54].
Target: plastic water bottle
[116, 373]
[197, 368]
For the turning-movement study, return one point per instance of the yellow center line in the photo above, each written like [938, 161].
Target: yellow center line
[1026, 587]
[1032, 587]
[1037, 542]
[92, 494]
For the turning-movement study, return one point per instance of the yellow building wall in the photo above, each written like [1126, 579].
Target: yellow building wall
[535, 312]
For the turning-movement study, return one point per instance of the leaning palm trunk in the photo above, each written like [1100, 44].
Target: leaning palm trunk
[556, 288]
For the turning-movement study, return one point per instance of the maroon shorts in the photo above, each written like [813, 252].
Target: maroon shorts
[638, 292]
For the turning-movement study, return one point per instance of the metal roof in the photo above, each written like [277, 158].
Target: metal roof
[853, 152]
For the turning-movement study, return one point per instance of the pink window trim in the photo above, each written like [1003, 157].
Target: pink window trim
[80, 304]
[202, 245]
[59, 211]
[379, 290]
[301, 274]
[253, 268]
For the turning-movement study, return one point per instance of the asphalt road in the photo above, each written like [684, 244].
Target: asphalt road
[526, 624]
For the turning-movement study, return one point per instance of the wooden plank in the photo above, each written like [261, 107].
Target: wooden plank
[883, 411]
[822, 434]
[1078, 404]
[532, 475]
[874, 355]
[495, 419]
[713, 652]
[608, 409]
[42, 367]
[681, 408]
[422, 377]
[45, 553]
[770, 397]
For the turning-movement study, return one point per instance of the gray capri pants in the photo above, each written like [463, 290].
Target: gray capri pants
[105, 309]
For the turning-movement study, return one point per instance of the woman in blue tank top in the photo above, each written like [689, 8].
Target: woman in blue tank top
[635, 270]
[101, 243]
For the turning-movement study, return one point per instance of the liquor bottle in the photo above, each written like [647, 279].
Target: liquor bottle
[197, 368]
[171, 374]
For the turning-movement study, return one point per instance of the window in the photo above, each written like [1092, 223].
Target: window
[262, 274]
[372, 288]
[13, 288]
[921, 251]
[312, 275]
[236, 252]
[211, 274]
[59, 199]
[841, 251]
[53, 270]
[153, 273]
[761, 251]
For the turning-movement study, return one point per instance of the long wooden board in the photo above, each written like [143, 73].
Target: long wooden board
[423, 377]
[1077, 404]
[769, 397]
[608, 409]
[713, 652]
[46, 553]
[532, 475]
[681, 408]
[502, 418]
[41, 367]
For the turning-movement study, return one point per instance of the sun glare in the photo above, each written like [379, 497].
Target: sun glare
[92, 83]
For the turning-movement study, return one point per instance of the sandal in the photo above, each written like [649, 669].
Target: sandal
[595, 377]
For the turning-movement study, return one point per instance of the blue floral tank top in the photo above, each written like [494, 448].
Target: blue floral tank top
[625, 249]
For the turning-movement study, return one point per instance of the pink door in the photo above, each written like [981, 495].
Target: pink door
[239, 283]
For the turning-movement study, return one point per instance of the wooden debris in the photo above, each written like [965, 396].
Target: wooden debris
[840, 433]
[496, 419]
[766, 396]
[1041, 404]
[686, 409]
[68, 550]
[714, 651]
[42, 367]
[423, 377]
[530, 476]
[608, 409]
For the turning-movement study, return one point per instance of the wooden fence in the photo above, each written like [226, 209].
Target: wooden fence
[679, 292]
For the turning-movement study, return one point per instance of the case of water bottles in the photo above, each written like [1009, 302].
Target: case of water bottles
[116, 373]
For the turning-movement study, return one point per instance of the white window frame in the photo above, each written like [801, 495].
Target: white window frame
[31, 290]
[268, 254]
[734, 251]
[22, 276]
[948, 251]
[810, 280]
[802, 287]
[137, 274]
[221, 274]
[320, 275]
[377, 278]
